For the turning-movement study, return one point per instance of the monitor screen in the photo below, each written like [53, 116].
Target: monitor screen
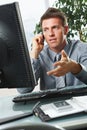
[15, 65]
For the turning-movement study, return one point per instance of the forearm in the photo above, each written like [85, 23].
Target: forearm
[75, 67]
[82, 75]
[34, 54]
[79, 71]
[36, 67]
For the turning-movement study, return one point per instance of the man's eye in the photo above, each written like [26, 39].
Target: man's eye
[55, 27]
[44, 30]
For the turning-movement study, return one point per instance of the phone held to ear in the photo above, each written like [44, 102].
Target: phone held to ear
[43, 39]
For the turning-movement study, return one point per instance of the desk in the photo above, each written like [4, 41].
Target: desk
[8, 108]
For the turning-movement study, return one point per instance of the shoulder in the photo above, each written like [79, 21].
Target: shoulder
[77, 44]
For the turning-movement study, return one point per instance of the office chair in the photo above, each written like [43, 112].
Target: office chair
[34, 126]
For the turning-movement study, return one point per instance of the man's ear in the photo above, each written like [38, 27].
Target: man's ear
[66, 29]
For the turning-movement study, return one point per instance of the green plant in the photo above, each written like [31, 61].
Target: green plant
[76, 11]
[37, 29]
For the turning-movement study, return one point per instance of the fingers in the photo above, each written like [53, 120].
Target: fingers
[37, 43]
[58, 71]
[63, 55]
[59, 63]
[51, 72]
[62, 66]
[38, 39]
[37, 46]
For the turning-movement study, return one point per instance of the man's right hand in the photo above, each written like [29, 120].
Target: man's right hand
[37, 45]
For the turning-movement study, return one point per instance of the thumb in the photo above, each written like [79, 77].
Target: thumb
[63, 55]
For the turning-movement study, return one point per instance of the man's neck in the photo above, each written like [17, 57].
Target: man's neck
[58, 50]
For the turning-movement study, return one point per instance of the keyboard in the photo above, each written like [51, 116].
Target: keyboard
[71, 90]
[33, 95]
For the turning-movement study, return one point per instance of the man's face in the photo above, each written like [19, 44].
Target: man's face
[54, 33]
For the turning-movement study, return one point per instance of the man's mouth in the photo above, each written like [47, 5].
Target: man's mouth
[52, 40]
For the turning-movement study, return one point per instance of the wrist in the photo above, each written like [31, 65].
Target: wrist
[75, 67]
[34, 54]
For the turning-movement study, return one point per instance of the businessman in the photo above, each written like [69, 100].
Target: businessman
[59, 62]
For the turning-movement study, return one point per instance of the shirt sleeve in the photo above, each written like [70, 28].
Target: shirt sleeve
[24, 90]
[82, 60]
[37, 67]
[82, 75]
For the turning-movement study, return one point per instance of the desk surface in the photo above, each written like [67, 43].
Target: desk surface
[8, 108]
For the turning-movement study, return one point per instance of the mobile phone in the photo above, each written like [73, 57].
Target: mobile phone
[43, 39]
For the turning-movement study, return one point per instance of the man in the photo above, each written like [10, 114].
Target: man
[71, 66]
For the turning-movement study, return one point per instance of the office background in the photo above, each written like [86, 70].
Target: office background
[31, 12]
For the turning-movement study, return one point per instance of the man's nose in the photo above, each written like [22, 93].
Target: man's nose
[51, 32]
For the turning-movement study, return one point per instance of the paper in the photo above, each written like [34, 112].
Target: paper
[61, 108]
[81, 101]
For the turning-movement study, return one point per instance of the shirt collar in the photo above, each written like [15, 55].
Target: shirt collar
[51, 54]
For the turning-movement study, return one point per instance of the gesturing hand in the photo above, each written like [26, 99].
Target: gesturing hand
[64, 66]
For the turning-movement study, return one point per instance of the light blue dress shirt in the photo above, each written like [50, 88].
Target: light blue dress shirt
[76, 50]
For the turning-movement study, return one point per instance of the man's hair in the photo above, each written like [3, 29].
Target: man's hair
[54, 13]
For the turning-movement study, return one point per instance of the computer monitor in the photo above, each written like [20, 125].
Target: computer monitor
[15, 64]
